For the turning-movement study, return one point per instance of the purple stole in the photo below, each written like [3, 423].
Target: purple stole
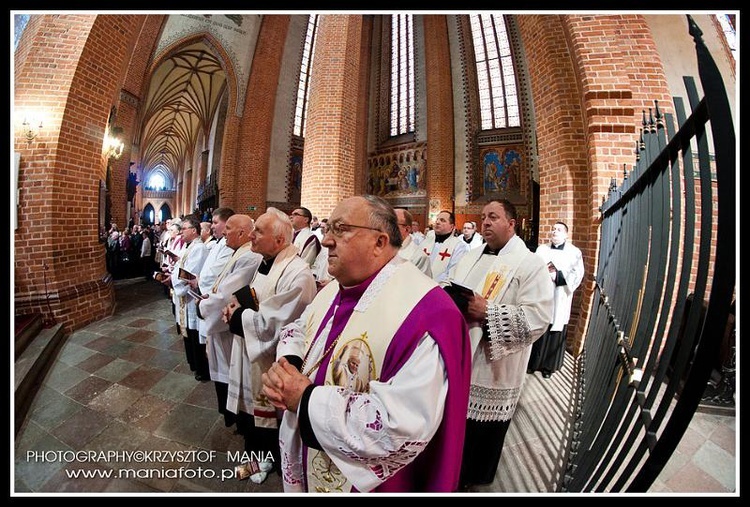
[437, 468]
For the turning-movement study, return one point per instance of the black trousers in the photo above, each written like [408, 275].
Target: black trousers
[195, 351]
[548, 352]
[222, 390]
[483, 446]
[259, 440]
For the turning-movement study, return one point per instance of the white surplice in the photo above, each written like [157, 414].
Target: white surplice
[390, 423]
[218, 255]
[520, 298]
[283, 294]
[308, 248]
[192, 260]
[569, 262]
[238, 271]
[412, 252]
[444, 256]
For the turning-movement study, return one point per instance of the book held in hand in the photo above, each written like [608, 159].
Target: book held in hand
[186, 275]
[195, 294]
[460, 294]
[247, 298]
[463, 289]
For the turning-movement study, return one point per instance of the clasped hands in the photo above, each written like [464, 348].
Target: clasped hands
[284, 385]
[228, 310]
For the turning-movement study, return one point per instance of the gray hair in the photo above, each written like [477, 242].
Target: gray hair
[383, 218]
[176, 223]
[282, 225]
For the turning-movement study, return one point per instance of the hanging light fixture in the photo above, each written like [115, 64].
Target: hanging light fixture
[113, 145]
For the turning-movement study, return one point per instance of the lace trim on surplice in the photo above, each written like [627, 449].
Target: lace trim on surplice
[488, 404]
[508, 330]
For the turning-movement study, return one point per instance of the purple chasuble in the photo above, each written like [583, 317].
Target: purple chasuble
[437, 468]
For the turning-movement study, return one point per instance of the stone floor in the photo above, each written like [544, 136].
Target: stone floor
[121, 387]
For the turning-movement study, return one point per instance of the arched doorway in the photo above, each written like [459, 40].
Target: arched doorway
[149, 215]
[165, 213]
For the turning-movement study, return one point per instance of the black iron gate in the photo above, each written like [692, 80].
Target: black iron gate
[649, 352]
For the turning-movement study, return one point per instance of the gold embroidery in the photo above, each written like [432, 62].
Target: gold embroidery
[494, 281]
[327, 475]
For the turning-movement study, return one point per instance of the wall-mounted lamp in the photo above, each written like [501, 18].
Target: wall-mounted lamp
[30, 129]
[113, 145]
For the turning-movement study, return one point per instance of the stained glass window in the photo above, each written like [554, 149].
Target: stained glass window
[402, 74]
[303, 88]
[498, 95]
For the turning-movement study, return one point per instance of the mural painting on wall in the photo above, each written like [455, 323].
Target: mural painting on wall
[294, 181]
[501, 171]
[401, 174]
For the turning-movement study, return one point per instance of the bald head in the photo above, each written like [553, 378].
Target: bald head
[238, 230]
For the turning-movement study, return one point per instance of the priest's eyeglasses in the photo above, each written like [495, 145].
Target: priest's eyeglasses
[337, 229]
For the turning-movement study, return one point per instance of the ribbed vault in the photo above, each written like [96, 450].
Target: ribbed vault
[183, 97]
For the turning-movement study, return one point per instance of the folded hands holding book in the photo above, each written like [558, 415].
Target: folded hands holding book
[244, 298]
[247, 298]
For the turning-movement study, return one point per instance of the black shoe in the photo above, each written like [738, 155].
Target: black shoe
[202, 378]
[546, 374]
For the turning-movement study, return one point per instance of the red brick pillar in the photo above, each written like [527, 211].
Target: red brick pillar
[439, 124]
[591, 76]
[247, 140]
[57, 235]
[333, 154]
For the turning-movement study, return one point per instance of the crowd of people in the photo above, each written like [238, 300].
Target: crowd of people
[130, 252]
[358, 353]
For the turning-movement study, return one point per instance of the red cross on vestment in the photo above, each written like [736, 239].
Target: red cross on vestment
[443, 255]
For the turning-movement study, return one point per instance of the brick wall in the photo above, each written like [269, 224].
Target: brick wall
[132, 97]
[79, 59]
[591, 78]
[247, 141]
[334, 150]
[439, 122]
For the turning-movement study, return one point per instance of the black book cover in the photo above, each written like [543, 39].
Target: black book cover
[460, 294]
[247, 298]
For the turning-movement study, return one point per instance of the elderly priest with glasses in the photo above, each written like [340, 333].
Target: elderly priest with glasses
[395, 422]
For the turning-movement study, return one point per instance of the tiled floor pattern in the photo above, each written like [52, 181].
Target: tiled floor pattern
[122, 385]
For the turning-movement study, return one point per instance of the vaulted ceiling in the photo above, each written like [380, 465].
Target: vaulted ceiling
[184, 94]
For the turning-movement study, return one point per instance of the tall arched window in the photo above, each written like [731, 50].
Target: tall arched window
[303, 88]
[19, 23]
[156, 182]
[729, 31]
[498, 95]
[402, 74]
